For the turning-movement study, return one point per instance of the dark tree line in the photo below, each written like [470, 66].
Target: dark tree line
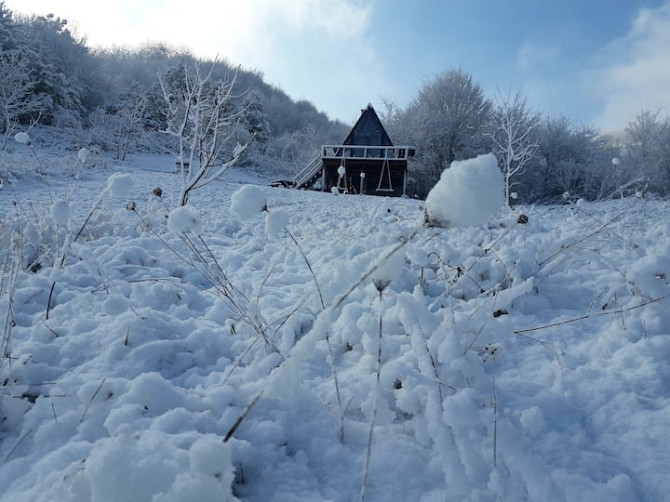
[116, 100]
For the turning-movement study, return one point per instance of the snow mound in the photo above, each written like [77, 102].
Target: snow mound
[185, 219]
[60, 212]
[248, 201]
[469, 192]
[120, 184]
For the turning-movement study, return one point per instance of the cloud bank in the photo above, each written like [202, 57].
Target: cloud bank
[635, 71]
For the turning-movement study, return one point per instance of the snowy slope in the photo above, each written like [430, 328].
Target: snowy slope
[519, 361]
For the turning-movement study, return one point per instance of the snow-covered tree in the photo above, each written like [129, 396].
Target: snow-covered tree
[578, 161]
[127, 122]
[17, 96]
[201, 115]
[255, 121]
[513, 138]
[447, 122]
[648, 149]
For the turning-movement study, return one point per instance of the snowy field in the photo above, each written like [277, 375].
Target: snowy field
[524, 359]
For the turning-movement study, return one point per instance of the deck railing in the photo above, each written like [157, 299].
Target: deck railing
[367, 152]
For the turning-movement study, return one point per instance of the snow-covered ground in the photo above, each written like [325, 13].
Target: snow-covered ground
[519, 360]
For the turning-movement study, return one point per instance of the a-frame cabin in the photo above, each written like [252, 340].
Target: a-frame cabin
[366, 162]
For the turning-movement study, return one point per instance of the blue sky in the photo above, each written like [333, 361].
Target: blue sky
[597, 62]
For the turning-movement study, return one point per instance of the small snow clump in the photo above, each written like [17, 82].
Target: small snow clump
[248, 201]
[23, 138]
[60, 212]
[83, 155]
[341, 171]
[469, 192]
[387, 270]
[184, 219]
[275, 222]
[119, 184]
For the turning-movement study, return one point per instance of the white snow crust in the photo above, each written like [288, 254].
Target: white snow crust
[519, 361]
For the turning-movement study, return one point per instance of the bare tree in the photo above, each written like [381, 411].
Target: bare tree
[16, 92]
[128, 122]
[202, 117]
[513, 138]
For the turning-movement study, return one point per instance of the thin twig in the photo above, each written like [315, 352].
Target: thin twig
[495, 425]
[588, 315]
[602, 228]
[244, 414]
[309, 266]
[18, 443]
[366, 470]
[91, 401]
[372, 269]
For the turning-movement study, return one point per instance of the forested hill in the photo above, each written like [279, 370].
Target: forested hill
[50, 76]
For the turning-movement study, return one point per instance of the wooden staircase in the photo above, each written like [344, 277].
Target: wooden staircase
[310, 174]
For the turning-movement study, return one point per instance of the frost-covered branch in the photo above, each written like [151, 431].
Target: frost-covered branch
[513, 138]
[202, 116]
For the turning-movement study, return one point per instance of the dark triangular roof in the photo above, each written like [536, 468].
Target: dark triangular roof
[368, 130]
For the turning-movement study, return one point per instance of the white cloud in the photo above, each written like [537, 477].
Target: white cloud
[637, 71]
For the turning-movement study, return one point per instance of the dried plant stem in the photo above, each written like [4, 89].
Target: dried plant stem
[239, 360]
[18, 443]
[368, 453]
[83, 416]
[66, 249]
[10, 270]
[331, 353]
[588, 315]
[371, 271]
[600, 229]
[244, 414]
[495, 425]
[309, 266]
